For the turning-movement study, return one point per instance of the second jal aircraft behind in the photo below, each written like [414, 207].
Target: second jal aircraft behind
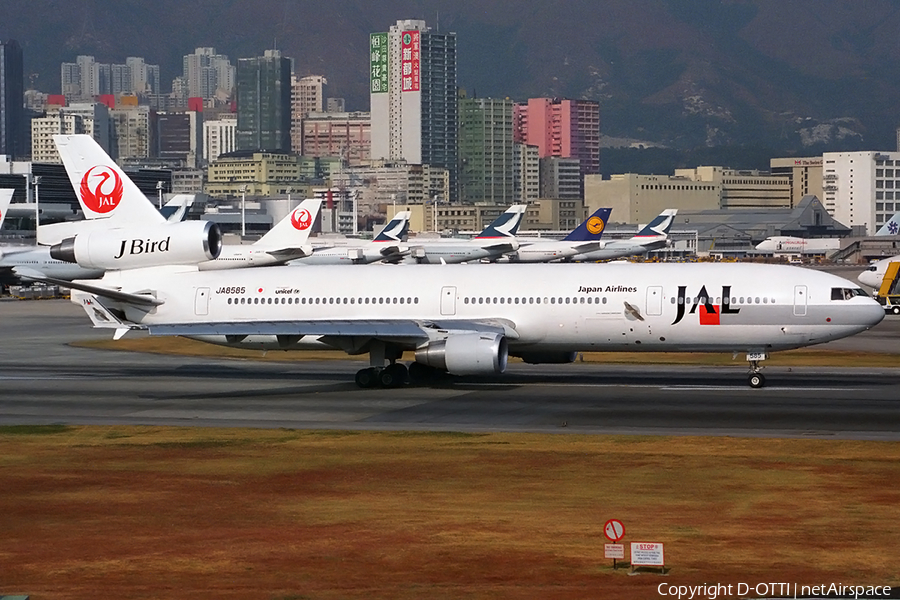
[468, 319]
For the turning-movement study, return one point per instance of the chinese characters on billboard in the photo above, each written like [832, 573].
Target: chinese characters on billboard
[409, 61]
[378, 53]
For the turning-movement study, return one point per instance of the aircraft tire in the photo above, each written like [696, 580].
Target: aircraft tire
[394, 375]
[757, 380]
[366, 378]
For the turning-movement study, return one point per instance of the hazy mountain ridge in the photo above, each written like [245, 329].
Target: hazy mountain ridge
[793, 76]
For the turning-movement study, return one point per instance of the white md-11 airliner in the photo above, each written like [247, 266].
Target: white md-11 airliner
[467, 319]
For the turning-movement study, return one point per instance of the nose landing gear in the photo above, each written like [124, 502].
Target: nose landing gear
[756, 379]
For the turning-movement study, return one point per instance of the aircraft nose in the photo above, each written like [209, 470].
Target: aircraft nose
[873, 313]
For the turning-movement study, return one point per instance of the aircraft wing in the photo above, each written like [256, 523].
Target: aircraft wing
[367, 328]
[13, 250]
[502, 247]
[393, 253]
[97, 290]
[588, 247]
[285, 254]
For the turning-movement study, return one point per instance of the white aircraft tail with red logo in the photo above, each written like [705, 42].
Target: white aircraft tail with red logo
[102, 188]
[294, 229]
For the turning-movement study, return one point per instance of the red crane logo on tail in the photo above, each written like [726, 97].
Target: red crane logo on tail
[301, 219]
[101, 189]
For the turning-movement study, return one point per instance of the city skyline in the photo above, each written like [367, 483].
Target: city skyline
[676, 73]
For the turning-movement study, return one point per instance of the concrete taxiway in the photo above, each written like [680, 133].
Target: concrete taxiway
[44, 380]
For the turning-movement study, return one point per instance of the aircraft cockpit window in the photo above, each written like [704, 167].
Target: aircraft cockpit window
[846, 293]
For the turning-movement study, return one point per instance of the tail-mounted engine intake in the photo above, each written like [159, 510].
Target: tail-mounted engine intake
[466, 354]
[185, 243]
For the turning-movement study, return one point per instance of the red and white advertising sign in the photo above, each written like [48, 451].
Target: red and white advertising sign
[410, 49]
[614, 530]
[614, 551]
[647, 554]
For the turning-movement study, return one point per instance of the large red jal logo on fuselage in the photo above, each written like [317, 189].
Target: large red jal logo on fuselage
[101, 189]
[301, 219]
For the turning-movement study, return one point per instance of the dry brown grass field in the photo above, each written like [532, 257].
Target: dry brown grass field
[802, 357]
[145, 512]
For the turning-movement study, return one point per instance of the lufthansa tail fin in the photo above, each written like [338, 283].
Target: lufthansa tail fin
[506, 225]
[592, 228]
[102, 188]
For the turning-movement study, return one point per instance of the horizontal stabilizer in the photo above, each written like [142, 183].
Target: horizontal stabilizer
[118, 295]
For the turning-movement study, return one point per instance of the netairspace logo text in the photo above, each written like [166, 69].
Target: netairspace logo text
[770, 590]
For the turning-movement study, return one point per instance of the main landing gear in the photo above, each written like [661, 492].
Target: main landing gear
[756, 379]
[392, 375]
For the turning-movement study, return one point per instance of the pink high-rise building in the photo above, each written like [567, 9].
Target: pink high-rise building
[563, 128]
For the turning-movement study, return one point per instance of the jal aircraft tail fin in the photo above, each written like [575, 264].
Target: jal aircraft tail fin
[294, 229]
[396, 230]
[102, 188]
[506, 225]
[592, 228]
[5, 199]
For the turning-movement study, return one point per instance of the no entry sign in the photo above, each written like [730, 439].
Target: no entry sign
[614, 530]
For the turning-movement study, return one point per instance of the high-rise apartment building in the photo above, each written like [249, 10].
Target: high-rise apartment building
[179, 137]
[131, 132]
[413, 96]
[86, 79]
[526, 174]
[562, 128]
[486, 158]
[307, 95]
[12, 101]
[264, 102]
[347, 135]
[144, 77]
[862, 189]
[219, 136]
[207, 74]
[91, 118]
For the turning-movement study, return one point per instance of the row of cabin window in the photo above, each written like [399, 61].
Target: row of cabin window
[734, 300]
[304, 300]
[533, 300]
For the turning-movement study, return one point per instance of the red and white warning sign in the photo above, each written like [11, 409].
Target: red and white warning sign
[614, 551]
[614, 530]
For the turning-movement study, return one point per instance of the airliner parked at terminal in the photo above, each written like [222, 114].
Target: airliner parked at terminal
[494, 241]
[582, 239]
[388, 246]
[469, 319]
[781, 244]
[652, 237]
